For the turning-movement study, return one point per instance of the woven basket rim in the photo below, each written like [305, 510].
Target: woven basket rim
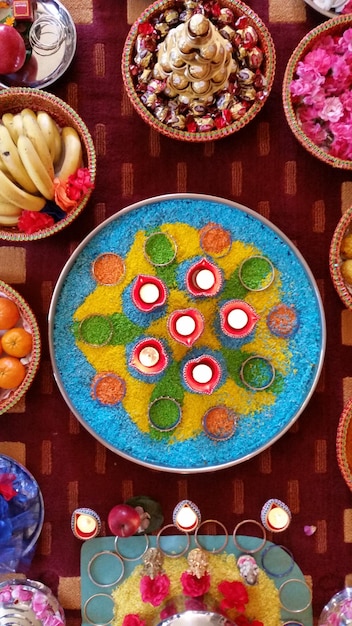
[60, 105]
[327, 27]
[173, 133]
[335, 258]
[30, 318]
[341, 439]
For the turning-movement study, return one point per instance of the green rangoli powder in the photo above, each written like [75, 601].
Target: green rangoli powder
[164, 414]
[160, 249]
[256, 273]
[96, 330]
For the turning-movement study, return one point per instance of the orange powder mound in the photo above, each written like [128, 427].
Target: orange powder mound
[108, 269]
[219, 423]
[215, 239]
[108, 388]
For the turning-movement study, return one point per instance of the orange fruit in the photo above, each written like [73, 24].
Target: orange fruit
[16, 342]
[12, 372]
[9, 313]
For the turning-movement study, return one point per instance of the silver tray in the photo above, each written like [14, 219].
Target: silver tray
[44, 67]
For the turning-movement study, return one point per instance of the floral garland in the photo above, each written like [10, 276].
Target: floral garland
[68, 195]
[322, 95]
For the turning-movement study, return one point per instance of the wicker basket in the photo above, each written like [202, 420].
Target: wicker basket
[13, 100]
[269, 65]
[29, 320]
[335, 258]
[334, 26]
[344, 444]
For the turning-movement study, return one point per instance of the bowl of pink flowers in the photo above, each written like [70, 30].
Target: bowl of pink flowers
[317, 98]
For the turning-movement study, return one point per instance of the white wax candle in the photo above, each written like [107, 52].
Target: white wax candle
[186, 518]
[149, 356]
[205, 279]
[237, 319]
[202, 373]
[185, 325]
[278, 518]
[149, 293]
[86, 523]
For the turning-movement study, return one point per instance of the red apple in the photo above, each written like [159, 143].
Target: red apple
[12, 50]
[123, 520]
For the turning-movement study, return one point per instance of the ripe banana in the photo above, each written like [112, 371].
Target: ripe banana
[7, 120]
[29, 112]
[72, 153]
[8, 209]
[35, 167]
[8, 220]
[51, 133]
[11, 159]
[10, 192]
[33, 131]
[17, 123]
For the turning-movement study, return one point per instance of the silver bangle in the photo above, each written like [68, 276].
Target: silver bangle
[99, 554]
[135, 558]
[214, 521]
[86, 617]
[269, 571]
[243, 548]
[284, 587]
[170, 554]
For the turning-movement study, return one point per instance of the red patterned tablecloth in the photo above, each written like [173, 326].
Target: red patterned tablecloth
[262, 167]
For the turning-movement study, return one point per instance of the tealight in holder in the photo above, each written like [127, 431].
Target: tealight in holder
[204, 279]
[237, 319]
[148, 293]
[275, 515]
[149, 356]
[202, 374]
[186, 326]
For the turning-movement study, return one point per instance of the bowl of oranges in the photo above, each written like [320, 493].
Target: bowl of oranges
[20, 347]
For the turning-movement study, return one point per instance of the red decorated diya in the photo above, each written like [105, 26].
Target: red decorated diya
[204, 279]
[237, 318]
[202, 374]
[186, 326]
[148, 293]
[149, 356]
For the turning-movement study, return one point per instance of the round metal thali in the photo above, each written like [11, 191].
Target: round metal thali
[124, 427]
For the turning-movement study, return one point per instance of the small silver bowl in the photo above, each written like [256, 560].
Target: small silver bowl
[197, 618]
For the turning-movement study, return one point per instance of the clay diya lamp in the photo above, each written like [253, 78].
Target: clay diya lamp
[149, 356]
[204, 279]
[237, 319]
[203, 374]
[85, 523]
[148, 293]
[186, 326]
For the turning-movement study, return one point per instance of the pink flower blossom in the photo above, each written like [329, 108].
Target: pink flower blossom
[193, 586]
[321, 94]
[154, 590]
[133, 620]
[235, 596]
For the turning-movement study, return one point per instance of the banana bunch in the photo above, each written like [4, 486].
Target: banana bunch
[33, 151]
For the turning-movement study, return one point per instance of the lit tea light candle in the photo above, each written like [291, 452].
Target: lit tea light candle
[185, 325]
[186, 516]
[85, 523]
[149, 356]
[237, 319]
[202, 373]
[204, 279]
[275, 515]
[149, 293]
